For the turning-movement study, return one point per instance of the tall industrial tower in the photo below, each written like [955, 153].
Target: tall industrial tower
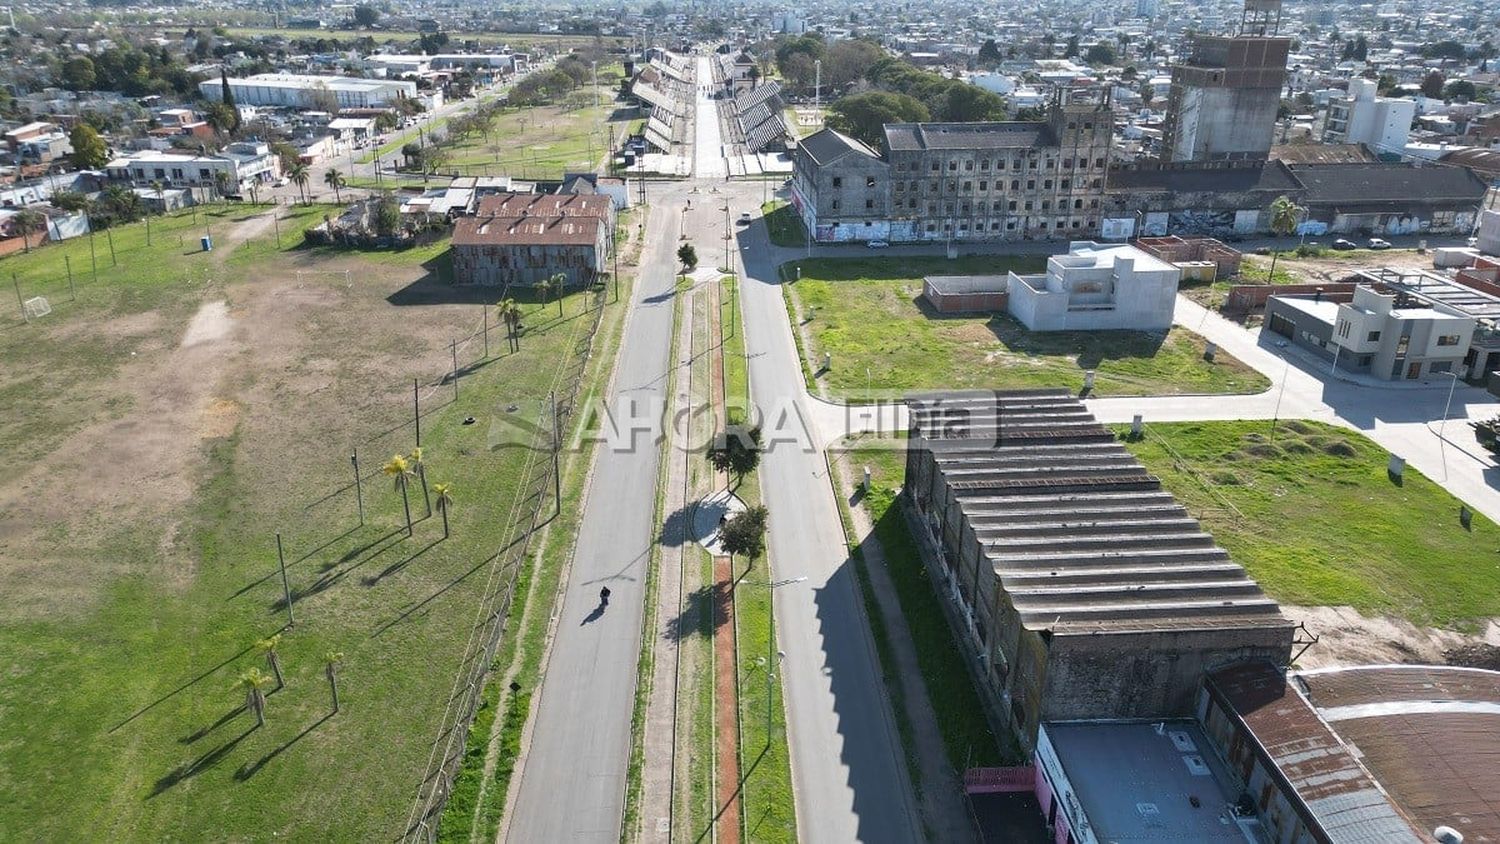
[1224, 98]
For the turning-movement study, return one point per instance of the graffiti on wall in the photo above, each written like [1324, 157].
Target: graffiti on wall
[1203, 223]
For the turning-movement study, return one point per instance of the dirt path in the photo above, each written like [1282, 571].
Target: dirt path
[1345, 637]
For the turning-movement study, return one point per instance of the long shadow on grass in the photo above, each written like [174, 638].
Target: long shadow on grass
[407, 613]
[204, 731]
[274, 572]
[188, 770]
[739, 789]
[249, 769]
[185, 686]
[332, 574]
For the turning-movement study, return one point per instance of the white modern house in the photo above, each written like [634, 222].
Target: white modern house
[240, 163]
[300, 90]
[1096, 287]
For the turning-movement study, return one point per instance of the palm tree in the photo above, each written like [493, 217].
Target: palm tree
[299, 176]
[556, 284]
[28, 221]
[400, 471]
[510, 314]
[1285, 214]
[421, 469]
[254, 682]
[444, 494]
[267, 646]
[334, 179]
[546, 286]
[331, 662]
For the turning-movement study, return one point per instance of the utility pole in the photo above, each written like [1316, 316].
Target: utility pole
[556, 452]
[416, 411]
[359, 492]
[286, 588]
[817, 83]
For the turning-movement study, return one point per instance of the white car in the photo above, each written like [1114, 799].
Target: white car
[283, 182]
[1378, 243]
[877, 244]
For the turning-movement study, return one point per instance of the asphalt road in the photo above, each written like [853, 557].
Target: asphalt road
[573, 781]
[848, 776]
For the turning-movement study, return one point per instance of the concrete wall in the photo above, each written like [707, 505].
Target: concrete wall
[528, 265]
[1095, 298]
[1146, 675]
[1246, 298]
[1236, 746]
[1215, 124]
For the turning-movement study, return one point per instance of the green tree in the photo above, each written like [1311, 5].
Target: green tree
[863, 116]
[387, 214]
[300, 177]
[366, 15]
[78, 74]
[268, 647]
[89, 150]
[1285, 216]
[400, 473]
[334, 179]
[687, 256]
[226, 97]
[1460, 89]
[744, 534]
[254, 682]
[1432, 85]
[444, 493]
[221, 117]
[331, 662]
[736, 451]
[27, 222]
[1100, 54]
[510, 314]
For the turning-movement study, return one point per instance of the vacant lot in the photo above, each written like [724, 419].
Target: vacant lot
[544, 142]
[1313, 517]
[867, 313]
[162, 430]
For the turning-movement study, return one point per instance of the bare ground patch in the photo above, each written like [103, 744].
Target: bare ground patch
[1347, 637]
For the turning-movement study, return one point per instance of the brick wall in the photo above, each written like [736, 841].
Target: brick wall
[1245, 298]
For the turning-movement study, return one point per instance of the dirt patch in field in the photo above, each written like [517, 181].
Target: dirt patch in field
[1345, 637]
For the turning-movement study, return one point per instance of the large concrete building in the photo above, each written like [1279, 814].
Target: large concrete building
[1096, 287]
[1223, 101]
[1015, 180]
[522, 239]
[307, 91]
[239, 165]
[1081, 589]
[1381, 123]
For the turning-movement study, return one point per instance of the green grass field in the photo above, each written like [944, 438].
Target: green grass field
[866, 313]
[783, 224]
[1323, 525]
[141, 592]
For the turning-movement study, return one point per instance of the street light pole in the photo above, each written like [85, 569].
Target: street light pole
[1443, 425]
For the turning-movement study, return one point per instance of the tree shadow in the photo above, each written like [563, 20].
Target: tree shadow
[411, 610]
[398, 566]
[248, 770]
[203, 731]
[704, 611]
[188, 770]
[677, 528]
[330, 573]
[185, 686]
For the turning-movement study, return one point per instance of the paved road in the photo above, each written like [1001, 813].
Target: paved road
[849, 780]
[573, 781]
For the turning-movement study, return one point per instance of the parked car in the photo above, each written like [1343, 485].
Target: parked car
[283, 182]
[1344, 245]
[1379, 243]
[877, 244]
[744, 218]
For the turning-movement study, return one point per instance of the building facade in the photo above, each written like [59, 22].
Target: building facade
[524, 239]
[1077, 586]
[1223, 101]
[1376, 334]
[240, 164]
[1381, 123]
[1012, 180]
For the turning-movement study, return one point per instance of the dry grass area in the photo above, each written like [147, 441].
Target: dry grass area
[162, 430]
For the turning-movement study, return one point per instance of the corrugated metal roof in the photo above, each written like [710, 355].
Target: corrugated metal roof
[1081, 536]
[1430, 734]
[1338, 795]
[963, 136]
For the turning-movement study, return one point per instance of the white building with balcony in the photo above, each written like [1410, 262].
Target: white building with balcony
[1382, 123]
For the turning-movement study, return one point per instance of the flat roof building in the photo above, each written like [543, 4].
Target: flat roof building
[1096, 287]
[297, 90]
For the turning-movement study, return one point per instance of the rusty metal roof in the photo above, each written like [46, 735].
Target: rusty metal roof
[1338, 796]
[1429, 734]
[515, 219]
